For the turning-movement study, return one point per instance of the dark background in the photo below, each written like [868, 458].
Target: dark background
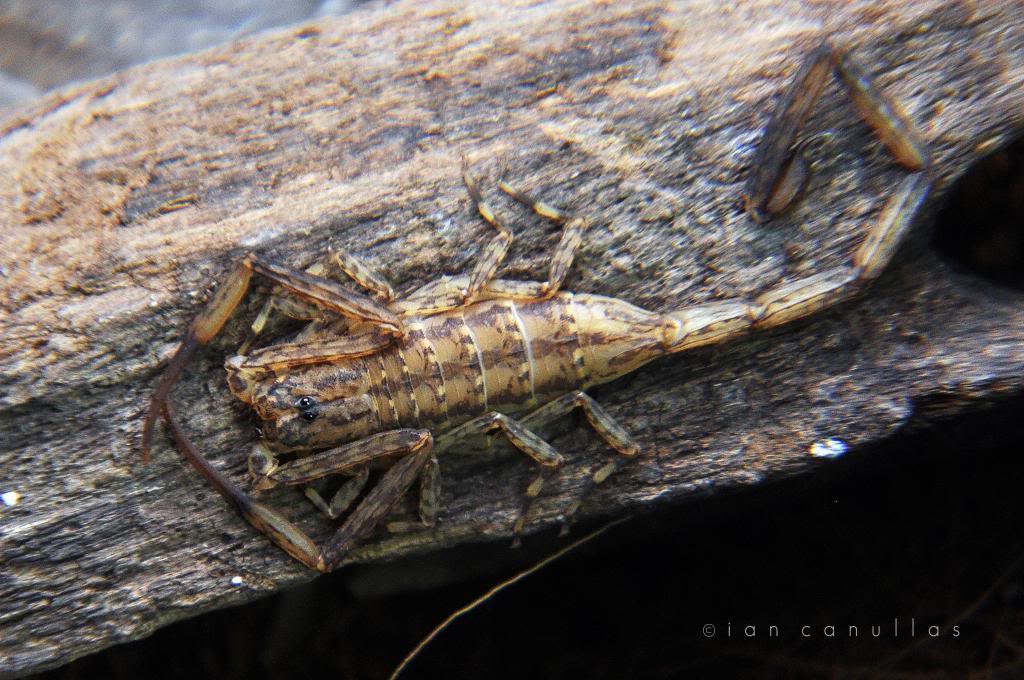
[927, 529]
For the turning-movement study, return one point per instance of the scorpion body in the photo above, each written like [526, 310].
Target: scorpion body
[470, 355]
[497, 355]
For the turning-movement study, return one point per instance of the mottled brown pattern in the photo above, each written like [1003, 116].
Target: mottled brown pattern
[426, 375]
[616, 336]
[381, 391]
[296, 142]
[396, 372]
[552, 333]
[504, 351]
[496, 355]
[460, 361]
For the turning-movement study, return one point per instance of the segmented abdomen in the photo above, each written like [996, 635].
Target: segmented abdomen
[508, 356]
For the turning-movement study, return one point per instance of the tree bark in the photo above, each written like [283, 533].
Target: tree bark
[127, 199]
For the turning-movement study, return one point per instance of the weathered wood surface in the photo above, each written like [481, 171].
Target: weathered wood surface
[125, 199]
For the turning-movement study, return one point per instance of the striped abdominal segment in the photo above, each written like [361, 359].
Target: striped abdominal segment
[556, 356]
[503, 355]
[497, 355]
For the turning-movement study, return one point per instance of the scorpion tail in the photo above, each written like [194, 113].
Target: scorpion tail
[708, 324]
[721, 321]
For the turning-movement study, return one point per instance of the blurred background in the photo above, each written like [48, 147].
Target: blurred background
[48, 43]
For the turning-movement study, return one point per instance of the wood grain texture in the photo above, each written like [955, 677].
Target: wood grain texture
[124, 200]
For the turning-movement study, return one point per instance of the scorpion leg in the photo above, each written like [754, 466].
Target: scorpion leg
[291, 307]
[607, 429]
[520, 434]
[430, 492]
[441, 295]
[572, 236]
[430, 499]
[353, 458]
[779, 172]
[482, 276]
[363, 274]
[520, 437]
[453, 292]
[610, 431]
[328, 266]
[342, 498]
[494, 252]
[565, 251]
[377, 504]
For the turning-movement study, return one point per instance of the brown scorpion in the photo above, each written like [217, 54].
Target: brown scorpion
[469, 355]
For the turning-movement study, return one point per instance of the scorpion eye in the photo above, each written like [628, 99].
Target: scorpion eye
[308, 410]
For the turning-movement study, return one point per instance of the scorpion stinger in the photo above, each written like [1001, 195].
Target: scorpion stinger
[779, 173]
[777, 178]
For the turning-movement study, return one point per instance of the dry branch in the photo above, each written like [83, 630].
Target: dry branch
[126, 199]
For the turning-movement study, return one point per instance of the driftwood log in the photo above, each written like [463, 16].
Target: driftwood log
[125, 200]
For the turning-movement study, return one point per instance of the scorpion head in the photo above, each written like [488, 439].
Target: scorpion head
[307, 407]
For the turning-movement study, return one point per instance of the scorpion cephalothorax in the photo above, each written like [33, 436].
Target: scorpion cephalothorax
[470, 355]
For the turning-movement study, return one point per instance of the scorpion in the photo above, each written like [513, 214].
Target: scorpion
[396, 381]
